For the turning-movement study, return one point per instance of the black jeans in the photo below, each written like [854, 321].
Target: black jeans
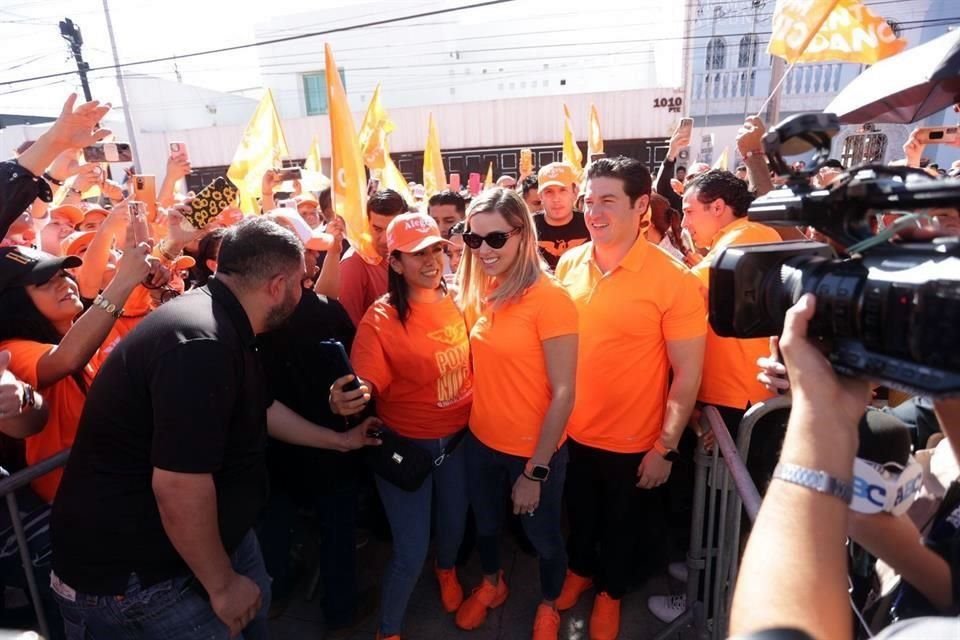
[607, 513]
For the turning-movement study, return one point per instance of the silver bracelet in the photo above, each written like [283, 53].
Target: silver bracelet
[819, 481]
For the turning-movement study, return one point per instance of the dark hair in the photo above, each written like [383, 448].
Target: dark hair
[833, 163]
[680, 168]
[207, 249]
[325, 200]
[635, 176]
[258, 249]
[21, 320]
[458, 229]
[715, 184]
[386, 202]
[528, 184]
[398, 291]
[449, 197]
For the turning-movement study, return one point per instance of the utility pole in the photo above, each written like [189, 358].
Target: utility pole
[71, 33]
[128, 118]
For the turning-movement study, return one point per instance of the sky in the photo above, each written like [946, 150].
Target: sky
[147, 29]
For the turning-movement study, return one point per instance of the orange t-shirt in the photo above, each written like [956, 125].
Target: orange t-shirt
[513, 392]
[626, 318]
[730, 364]
[64, 400]
[421, 372]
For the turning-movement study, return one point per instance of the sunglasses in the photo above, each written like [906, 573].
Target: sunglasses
[494, 240]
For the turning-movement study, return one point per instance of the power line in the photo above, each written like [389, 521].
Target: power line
[273, 41]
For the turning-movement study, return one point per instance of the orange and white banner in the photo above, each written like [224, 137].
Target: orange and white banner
[831, 31]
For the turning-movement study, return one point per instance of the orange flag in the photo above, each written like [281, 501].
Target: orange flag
[434, 178]
[346, 166]
[376, 151]
[595, 140]
[831, 30]
[489, 180]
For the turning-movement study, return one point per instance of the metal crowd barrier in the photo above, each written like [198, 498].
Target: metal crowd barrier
[8, 487]
[723, 491]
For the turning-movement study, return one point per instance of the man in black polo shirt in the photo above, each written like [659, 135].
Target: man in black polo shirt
[152, 524]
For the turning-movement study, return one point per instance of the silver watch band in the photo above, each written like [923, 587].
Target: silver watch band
[819, 481]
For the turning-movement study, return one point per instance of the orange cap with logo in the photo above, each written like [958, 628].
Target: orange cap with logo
[412, 232]
[556, 174]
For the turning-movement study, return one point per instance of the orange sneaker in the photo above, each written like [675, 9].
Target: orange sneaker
[605, 619]
[546, 626]
[451, 593]
[473, 611]
[573, 588]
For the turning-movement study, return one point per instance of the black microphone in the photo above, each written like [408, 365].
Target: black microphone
[884, 438]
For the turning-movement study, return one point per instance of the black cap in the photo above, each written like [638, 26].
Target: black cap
[20, 266]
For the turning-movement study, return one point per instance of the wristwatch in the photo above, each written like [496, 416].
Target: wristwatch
[668, 454]
[29, 398]
[819, 481]
[536, 472]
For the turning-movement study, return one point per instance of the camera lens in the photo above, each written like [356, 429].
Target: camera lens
[936, 135]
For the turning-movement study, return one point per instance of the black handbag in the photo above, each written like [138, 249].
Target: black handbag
[403, 463]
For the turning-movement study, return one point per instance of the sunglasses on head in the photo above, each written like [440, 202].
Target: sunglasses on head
[494, 240]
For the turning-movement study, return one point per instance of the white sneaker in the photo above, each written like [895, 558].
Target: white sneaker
[678, 571]
[667, 608]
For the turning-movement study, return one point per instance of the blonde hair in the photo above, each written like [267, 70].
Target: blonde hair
[476, 288]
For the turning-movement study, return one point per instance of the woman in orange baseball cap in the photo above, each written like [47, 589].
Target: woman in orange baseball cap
[523, 339]
[413, 355]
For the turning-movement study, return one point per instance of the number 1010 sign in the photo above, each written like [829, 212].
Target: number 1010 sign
[672, 105]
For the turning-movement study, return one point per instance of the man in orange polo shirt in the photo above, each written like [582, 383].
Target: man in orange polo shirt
[715, 207]
[641, 315]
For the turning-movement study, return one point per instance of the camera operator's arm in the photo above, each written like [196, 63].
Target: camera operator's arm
[896, 541]
[750, 146]
[794, 571]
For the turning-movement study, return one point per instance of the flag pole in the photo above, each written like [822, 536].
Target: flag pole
[775, 92]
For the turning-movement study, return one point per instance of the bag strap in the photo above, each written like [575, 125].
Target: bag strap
[452, 444]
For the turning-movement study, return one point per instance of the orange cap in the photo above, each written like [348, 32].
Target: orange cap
[412, 232]
[556, 174]
[76, 242]
[70, 212]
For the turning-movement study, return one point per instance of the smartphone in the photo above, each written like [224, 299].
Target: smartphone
[108, 152]
[685, 127]
[938, 135]
[210, 202]
[341, 363]
[290, 173]
[145, 190]
[473, 184]
[289, 203]
[454, 180]
[138, 218]
[179, 150]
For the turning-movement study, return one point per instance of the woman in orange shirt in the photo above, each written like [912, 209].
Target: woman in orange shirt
[51, 347]
[413, 355]
[523, 339]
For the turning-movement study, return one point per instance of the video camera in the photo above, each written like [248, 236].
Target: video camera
[888, 312]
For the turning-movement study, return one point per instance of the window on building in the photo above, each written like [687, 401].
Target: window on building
[716, 54]
[315, 91]
[748, 51]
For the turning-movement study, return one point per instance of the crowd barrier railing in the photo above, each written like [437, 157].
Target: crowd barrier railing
[9, 484]
[723, 492]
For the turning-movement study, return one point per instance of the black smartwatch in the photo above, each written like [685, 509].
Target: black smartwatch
[672, 455]
[536, 472]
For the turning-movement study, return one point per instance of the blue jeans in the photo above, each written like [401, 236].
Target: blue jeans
[168, 610]
[409, 516]
[490, 476]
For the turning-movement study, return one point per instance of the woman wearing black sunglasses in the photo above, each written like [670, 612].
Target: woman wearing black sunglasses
[524, 343]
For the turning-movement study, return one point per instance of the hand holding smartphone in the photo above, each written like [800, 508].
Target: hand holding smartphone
[938, 135]
[178, 150]
[108, 152]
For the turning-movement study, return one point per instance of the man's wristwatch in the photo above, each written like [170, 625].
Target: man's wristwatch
[668, 454]
[815, 479]
[536, 472]
[29, 400]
